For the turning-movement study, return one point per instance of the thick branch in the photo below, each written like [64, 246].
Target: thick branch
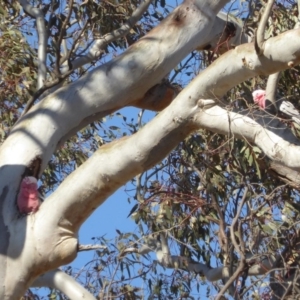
[289, 109]
[183, 116]
[130, 156]
[229, 70]
[38, 133]
[219, 38]
[63, 282]
[279, 150]
[287, 175]
[133, 155]
[242, 63]
[73, 104]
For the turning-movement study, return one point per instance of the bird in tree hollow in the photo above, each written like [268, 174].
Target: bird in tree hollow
[28, 199]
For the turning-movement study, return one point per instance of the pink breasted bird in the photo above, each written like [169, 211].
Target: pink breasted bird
[28, 200]
[286, 108]
[259, 97]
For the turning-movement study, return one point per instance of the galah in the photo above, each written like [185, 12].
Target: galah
[259, 97]
[28, 200]
[286, 107]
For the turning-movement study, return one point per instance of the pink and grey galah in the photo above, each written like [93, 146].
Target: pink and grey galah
[259, 97]
[286, 108]
[28, 200]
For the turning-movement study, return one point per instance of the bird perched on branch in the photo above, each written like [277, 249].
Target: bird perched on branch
[285, 107]
[259, 97]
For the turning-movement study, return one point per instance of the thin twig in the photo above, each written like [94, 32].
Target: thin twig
[112, 278]
[74, 45]
[242, 263]
[90, 247]
[222, 225]
[61, 35]
[45, 87]
[96, 49]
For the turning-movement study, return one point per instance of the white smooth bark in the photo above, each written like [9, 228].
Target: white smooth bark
[278, 149]
[47, 239]
[63, 282]
[109, 86]
[182, 117]
[38, 15]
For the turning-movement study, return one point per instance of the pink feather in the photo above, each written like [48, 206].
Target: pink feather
[28, 200]
[259, 97]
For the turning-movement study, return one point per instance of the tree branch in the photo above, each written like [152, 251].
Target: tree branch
[96, 49]
[167, 129]
[260, 264]
[90, 247]
[276, 148]
[86, 98]
[65, 283]
[285, 174]
[242, 262]
[38, 15]
[260, 34]
[183, 116]
[272, 88]
[62, 32]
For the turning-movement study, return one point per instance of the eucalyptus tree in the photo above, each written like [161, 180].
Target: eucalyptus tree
[86, 61]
